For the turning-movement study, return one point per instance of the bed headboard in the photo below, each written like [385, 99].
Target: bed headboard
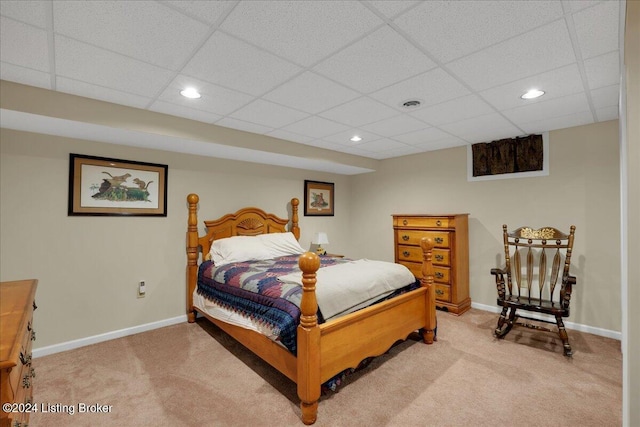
[245, 222]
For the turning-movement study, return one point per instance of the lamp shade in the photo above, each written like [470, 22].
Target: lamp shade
[320, 239]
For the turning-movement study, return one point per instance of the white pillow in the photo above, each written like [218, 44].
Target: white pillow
[281, 244]
[254, 248]
[237, 249]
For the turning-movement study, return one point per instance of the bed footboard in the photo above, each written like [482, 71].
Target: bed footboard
[328, 349]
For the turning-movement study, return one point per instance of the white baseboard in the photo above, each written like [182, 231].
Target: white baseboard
[70, 345]
[569, 325]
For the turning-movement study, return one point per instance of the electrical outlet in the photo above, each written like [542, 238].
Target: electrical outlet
[141, 289]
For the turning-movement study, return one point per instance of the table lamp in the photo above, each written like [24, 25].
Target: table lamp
[320, 239]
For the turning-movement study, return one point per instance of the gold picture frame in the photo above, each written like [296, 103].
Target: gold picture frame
[318, 198]
[102, 186]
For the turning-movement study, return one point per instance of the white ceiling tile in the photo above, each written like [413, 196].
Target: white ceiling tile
[392, 8]
[214, 99]
[537, 51]
[397, 152]
[344, 137]
[457, 109]
[485, 128]
[607, 113]
[603, 70]
[290, 28]
[356, 152]
[311, 93]
[145, 30]
[556, 83]
[102, 93]
[290, 136]
[442, 144]
[559, 122]
[576, 5]
[184, 111]
[229, 62]
[548, 109]
[315, 127]
[432, 87]
[108, 69]
[597, 29]
[23, 45]
[33, 12]
[208, 11]
[378, 145]
[391, 56]
[229, 122]
[453, 29]
[423, 136]
[608, 96]
[319, 143]
[268, 114]
[359, 112]
[25, 76]
[395, 125]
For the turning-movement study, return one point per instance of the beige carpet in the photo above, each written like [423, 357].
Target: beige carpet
[194, 375]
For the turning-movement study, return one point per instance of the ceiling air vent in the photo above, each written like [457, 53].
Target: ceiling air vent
[412, 103]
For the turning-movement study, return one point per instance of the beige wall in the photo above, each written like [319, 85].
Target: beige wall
[88, 267]
[581, 189]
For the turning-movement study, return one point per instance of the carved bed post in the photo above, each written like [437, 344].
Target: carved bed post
[308, 359]
[192, 254]
[295, 228]
[427, 244]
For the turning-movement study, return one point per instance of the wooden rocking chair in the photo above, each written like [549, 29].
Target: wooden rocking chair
[534, 292]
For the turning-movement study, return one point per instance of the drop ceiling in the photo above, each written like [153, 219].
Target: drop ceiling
[319, 72]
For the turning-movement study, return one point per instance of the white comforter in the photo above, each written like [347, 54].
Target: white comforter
[344, 288]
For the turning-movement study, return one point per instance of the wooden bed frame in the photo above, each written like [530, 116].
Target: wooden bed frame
[324, 350]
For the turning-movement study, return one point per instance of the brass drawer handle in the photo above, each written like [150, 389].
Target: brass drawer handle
[26, 381]
[33, 335]
[34, 305]
[439, 240]
[405, 237]
[439, 275]
[405, 222]
[33, 373]
[439, 257]
[406, 253]
[438, 223]
[439, 292]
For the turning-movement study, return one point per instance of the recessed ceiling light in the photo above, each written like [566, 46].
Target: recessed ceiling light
[190, 93]
[533, 93]
[355, 138]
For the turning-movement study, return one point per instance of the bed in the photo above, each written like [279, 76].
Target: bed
[322, 349]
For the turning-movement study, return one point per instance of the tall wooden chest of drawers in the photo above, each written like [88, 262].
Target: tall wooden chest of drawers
[450, 256]
[17, 302]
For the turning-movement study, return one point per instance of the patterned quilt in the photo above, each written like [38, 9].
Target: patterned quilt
[252, 289]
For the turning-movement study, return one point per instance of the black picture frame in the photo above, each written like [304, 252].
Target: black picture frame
[102, 186]
[319, 198]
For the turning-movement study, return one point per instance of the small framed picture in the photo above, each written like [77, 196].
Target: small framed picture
[318, 198]
[115, 187]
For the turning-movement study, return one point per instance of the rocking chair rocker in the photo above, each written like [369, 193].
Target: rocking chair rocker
[537, 291]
